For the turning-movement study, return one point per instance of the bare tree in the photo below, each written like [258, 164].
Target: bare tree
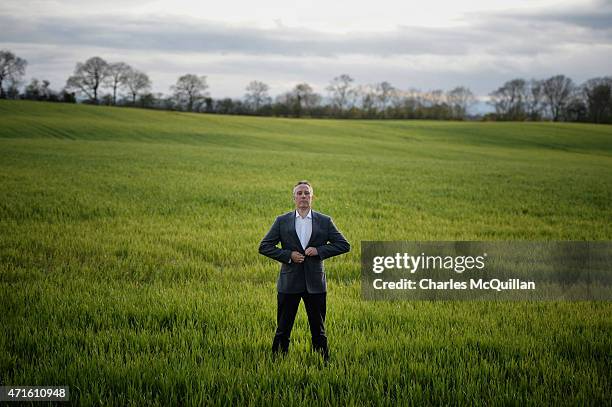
[189, 90]
[434, 97]
[285, 103]
[257, 94]
[137, 82]
[534, 99]
[367, 98]
[557, 92]
[88, 77]
[411, 102]
[509, 100]
[341, 92]
[12, 69]
[305, 97]
[37, 90]
[598, 97]
[117, 74]
[398, 99]
[435, 105]
[384, 92]
[460, 99]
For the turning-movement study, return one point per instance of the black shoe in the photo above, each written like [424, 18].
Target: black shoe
[280, 352]
[279, 346]
[324, 352]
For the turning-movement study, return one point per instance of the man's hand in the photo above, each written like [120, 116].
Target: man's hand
[311, 251]
[297, 257]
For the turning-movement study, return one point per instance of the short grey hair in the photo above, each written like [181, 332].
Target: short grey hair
[303, 182]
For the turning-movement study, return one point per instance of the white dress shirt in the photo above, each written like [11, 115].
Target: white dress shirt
[303, 227]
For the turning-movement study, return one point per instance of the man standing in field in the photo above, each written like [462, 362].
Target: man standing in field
[307, 238]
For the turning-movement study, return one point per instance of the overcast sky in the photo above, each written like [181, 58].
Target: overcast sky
[425, 44]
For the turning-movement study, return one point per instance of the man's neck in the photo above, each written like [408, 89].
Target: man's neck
[303, 212]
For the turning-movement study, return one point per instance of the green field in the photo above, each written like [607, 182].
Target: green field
[129, 267]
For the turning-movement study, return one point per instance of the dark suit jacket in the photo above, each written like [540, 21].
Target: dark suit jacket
[310, 275]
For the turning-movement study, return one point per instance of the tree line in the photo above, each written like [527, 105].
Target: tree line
[97, 81]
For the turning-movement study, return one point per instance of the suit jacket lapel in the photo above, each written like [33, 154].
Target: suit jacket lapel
[293, 232]
[315, 227]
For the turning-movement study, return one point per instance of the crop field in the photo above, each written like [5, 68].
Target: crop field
[129, 268]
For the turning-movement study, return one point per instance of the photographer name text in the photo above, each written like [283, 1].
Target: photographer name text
[421, 263]
[473, 284]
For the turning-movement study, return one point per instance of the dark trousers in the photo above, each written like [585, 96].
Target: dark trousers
[287, 306]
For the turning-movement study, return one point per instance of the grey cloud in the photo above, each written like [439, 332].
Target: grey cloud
[482, 54]
[494, 34]
[501, 33]
[172, 35]
[597, 16]
[596, 20]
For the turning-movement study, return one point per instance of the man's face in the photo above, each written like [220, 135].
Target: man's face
[302, 195]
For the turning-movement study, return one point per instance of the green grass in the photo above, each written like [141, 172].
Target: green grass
[129, 267]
